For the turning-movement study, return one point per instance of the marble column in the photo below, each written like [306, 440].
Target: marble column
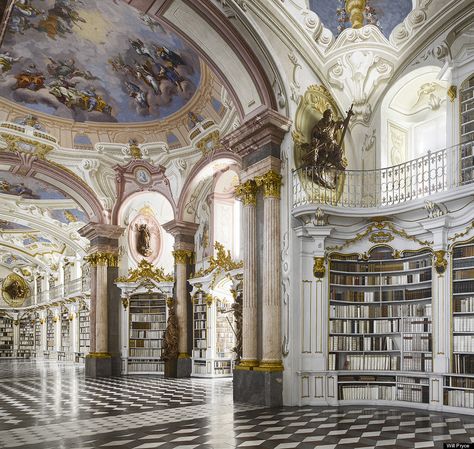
[104, 358]
[183, 233]
[248, 194]
[181, 257]
[271, 324]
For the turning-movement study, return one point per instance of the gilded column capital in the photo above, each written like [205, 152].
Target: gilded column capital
[440, 261]
[319, 270]
[247, 192]
[182, 255]
[102, 259]
[271, 182]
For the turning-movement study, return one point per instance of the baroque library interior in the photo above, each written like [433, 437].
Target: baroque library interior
[230, 223]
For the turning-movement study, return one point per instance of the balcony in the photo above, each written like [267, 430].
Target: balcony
[396, 187]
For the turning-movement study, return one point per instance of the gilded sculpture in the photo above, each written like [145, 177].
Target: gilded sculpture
[143, 240]
[170, 340]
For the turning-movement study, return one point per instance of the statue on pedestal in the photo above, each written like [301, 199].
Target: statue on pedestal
[143, 240]
[324, 152]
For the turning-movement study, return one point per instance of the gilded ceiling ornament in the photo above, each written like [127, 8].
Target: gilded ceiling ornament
[440, 261]
[209, 143]
[381, 237]
[355, 9]
[15, 290]
[125, 303]
[319, 270]
[17, 144]
[182, 256]
[222, 262]
[146, 270]
[135, 150]
[271, 182]
[247, 192]
[458, 235]
[102, 259]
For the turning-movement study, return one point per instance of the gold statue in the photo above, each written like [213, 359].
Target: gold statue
[325, 153]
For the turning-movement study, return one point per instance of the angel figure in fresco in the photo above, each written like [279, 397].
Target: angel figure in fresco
[137, 94]
[30, 78]
[7, 61]
[67, 69]
[145, 72]
[143, 240]
[170, 75]
[170, 57]
[140, 48]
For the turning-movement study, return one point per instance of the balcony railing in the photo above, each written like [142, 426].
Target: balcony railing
[429, 174]
[70, 288]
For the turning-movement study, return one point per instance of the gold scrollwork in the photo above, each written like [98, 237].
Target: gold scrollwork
[125, 303]
[271, 182]
[381, 237]
[319, 270]
[247, 192]
[102, 259]
[16, 144]
[146, 270]
[223, 261]
[182, 255]
[440, 261]
[209, 143]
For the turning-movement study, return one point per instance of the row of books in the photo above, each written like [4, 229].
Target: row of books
[463, 263]
[150, 334]
[200, 343]
[198, 325]
[380, 280]
[463, 274]
[199, 333]
[148, 318]
[463, 251]
[460, 382]
[413, 380]
[145, 343]
[200, 316]
[418, 324]
[459, 398]
[144, 352]
[417, 362]
[463, 324]
[463, 287]
[403, 294]
[416, 342]
[340, 343]
[412, 393]
[146, 367]
[374, 311]
[371, 362]
[463, 363]
[200, 368]
[367, 392]
[378, 266]
[464, 304]
[150, 326]
[200, 308]
[463, 343]
[364, 326]
[199, 353]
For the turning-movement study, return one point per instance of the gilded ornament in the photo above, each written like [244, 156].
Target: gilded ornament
[319, 270]
[16, 144]
[102, 259]
[182, 256]
[209, 299]
[15, 290]
[440, 261]
[125, 303]
[135, 150]
[209, 143]
[381, 237]
[223, 262]
[146, 270]
[452, 93]
[271, 182]
[355, 10]
[247, 192]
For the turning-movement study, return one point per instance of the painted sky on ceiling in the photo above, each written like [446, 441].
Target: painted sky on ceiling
[385, 14]
[95, 60]
[27, 187]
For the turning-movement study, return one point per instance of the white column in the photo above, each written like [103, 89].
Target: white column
[247, 192]
[271, 310]
[35, 289]
[61, 277]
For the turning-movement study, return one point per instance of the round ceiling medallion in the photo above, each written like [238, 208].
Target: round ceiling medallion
[14, 290]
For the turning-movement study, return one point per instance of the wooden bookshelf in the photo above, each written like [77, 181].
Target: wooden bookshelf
[380, 321]
[26, 345]
[6, 336]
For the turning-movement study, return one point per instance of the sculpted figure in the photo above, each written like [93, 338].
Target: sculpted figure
[143, 240]
[170, 340]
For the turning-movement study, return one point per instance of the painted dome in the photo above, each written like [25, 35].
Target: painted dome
[95, 60]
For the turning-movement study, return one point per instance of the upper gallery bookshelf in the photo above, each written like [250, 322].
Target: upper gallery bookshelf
[380, 324]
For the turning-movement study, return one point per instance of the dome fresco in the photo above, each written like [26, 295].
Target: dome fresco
[95, 60]
[384, 14]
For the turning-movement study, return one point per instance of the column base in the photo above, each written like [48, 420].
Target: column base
[258, 387]
[247, 364]
[183, 367]
[98, 365]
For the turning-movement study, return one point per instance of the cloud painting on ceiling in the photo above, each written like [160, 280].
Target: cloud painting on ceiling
[6, 225]
[28, 187]
[69, 215]
[95, 60]
[384, 14]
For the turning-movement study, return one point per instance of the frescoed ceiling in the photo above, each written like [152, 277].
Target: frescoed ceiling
[95, 60]
[384, 14]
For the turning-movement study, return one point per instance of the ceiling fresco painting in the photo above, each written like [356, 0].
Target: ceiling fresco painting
[69, 215]
[384, 14]
[95, 60]
[27, 187]
[6, 225]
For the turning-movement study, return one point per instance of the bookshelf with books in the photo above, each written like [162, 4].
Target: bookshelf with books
[459, 387]
[50, 336]
[380, 322]
[147, 325]
[37, 335]
[65, 353]
[6, 336]
[213, 329]
[26, 345]
[84, 331]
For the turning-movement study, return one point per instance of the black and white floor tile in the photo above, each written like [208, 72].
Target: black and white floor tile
[50, 405]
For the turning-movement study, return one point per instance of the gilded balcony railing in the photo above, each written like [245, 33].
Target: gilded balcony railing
[419, 178]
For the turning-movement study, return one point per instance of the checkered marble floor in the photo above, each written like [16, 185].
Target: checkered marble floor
[51, 405]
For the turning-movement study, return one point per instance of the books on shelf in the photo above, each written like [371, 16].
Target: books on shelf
[368, 392]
